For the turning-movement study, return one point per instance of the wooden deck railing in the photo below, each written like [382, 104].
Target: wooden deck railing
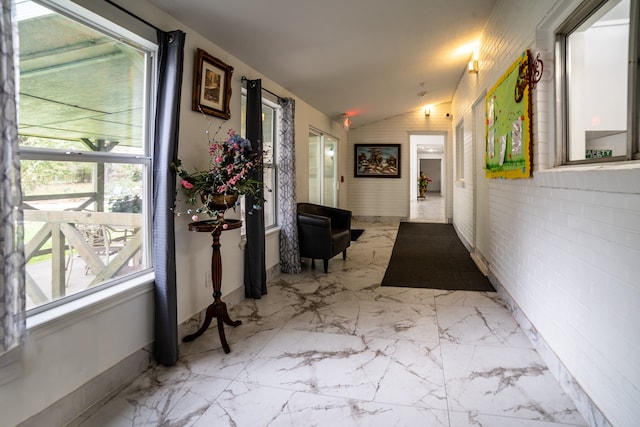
[68, 229]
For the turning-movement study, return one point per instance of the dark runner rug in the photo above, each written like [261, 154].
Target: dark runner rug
[432, 256]
[355, 233]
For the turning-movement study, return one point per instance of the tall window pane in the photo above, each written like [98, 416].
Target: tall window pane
[323, 164]
[596, 67]
[315, 158]
[270, 150]
[85, 161]
[330, 171]
[269, 141]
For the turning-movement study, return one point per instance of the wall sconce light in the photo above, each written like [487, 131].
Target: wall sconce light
[473, 66]
[427, 111]
[345, 121]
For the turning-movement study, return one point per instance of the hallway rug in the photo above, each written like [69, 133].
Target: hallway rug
[355, 233]
[432, 256]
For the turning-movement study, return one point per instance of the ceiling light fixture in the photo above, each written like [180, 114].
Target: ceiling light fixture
[473, 66]
[345, 121]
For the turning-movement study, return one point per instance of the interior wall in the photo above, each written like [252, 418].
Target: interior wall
[67, 352]
[433, 169]
[389, 197]
[564, 244]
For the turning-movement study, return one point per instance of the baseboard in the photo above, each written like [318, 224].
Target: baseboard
[480, 262]
[587, 408]
[382, 219]
[232, 298]
[73, 408]
[273, 273]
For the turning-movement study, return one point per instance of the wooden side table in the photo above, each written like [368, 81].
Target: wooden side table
[217, 309]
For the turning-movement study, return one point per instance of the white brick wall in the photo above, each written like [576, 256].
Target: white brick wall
[564, 244]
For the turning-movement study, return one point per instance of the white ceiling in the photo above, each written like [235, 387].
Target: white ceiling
[372, 59]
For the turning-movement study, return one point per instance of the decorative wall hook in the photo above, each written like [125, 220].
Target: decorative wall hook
[529, 73]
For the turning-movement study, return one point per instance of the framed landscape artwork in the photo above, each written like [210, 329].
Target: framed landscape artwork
[211, 86]
[377, 161]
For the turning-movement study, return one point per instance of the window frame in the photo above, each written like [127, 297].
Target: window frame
[267, 100]
[273, 166]
[109, 25]
[459, 155]
[323, 139]
[580, 15]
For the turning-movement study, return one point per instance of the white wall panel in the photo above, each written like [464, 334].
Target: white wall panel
[563, 244]
[389, 197]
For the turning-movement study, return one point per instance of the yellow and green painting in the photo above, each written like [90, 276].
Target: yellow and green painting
[508, 128]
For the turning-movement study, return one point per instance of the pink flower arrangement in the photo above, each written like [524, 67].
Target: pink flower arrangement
[231, 163]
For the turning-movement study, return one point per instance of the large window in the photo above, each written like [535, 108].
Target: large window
[597, 57]
[85, 156]
[270, 138]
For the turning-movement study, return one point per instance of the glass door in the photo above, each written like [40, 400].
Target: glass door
[323, 164]
[329, 190]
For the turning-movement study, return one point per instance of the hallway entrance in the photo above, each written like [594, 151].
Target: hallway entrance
[427, 156]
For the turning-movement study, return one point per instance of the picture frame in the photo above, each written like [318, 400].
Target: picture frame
[508, 131]
[376, 161]
[211, 86]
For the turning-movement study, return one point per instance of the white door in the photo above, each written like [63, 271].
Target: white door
[481, 194]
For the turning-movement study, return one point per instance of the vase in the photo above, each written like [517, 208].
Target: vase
[219, 202]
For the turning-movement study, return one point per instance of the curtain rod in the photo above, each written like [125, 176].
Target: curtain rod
[133, 15]
[244, 79]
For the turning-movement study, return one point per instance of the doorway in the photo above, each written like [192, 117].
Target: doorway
[481, 197]
[427, 155]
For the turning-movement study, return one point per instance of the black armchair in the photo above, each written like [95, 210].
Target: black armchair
[323, 232]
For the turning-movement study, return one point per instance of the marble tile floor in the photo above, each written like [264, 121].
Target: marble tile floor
[337, 349]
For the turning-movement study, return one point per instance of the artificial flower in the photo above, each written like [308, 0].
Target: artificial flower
[231, 163]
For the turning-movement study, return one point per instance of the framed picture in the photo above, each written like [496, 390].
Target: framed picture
[377, 161]
[508, 126]
[211, 86]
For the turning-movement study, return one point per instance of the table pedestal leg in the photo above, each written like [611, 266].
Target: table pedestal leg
[217, 309]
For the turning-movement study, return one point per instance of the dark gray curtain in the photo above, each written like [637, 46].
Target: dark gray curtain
[170, 65]
[255, 274]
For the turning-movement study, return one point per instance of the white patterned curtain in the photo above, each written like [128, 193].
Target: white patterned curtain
[289, 249]
[12, 290]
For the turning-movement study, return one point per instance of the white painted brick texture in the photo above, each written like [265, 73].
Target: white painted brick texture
[565, 244]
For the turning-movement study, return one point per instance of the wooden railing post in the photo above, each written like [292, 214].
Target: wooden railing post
[57, 259]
